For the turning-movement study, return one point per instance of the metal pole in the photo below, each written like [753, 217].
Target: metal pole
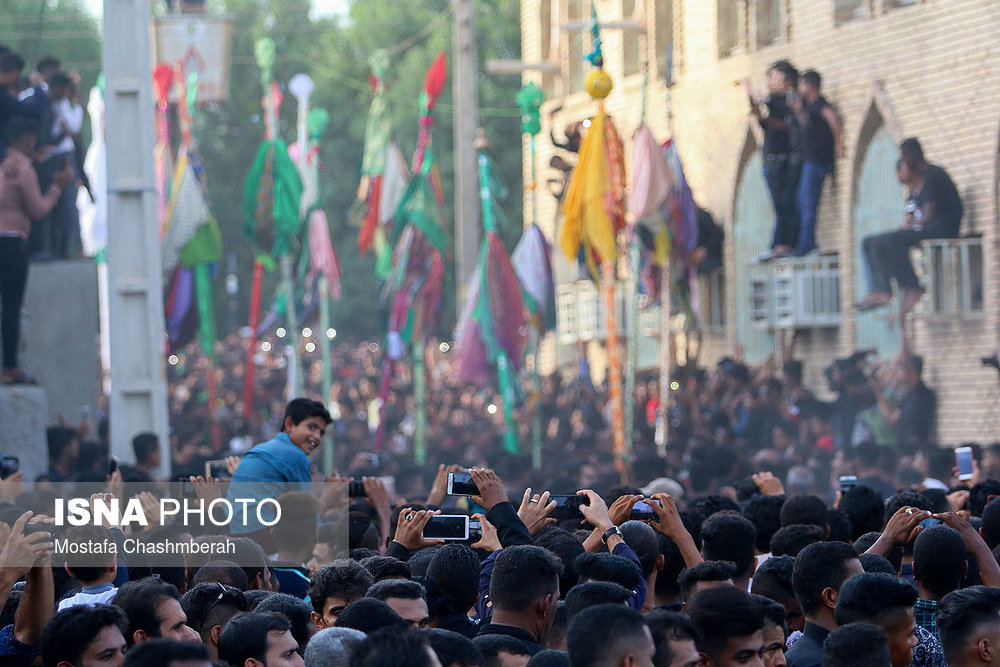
[466, 120]
[138, 400]
[325, 342]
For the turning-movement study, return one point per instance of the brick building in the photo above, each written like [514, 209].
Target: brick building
[893, 69]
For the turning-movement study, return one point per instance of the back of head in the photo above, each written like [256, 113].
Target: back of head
[456, 569]
[818, 567]
[939, 560]
[710, 571]
[804, 509]
[225, 572]
[400, 647]
[369, 615]
[453, 648]
[522, 574]
[667, 626]
[642, 540]
[722, 613]
[872, 598]
[140, 600]
[89, 567]
[605, 634]
[792, 539]
[386, 567]
[491, 646]
[58, 437]
[332, 647]
[397, 588]
[296, 610]
[811, 77]
[145, 445]
[857, 645]
[606, 567]
[246, 636]
[594, 593]
[166, 653]
[730, 536]
[209, 604]
[549, 658]
[673, 563]
[764, 512]
[877, 564]
[990, 529]
[864, 507]
[11, 62]
[964, 617]
[67, 633]
[980, 494]
[773, 579]
[566, 547]
[344, 579]
[911, 151]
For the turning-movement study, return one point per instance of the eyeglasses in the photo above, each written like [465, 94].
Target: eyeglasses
[216, 601]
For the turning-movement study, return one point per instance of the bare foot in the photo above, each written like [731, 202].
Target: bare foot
[873, 300]
[911, 297]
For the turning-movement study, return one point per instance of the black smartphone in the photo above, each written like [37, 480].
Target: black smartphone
[8, 466]
[447, 527]
[643, 510]
[848, 482]
[356, 489]
[41, 528]
[568, 507]
[112, 465]
[475, 531]
[461, 484]
[216, 469]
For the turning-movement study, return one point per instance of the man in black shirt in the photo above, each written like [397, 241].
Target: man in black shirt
[821, 137]
[781, 160]
[933, 211]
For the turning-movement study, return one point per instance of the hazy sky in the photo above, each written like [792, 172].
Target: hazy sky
[321, 7]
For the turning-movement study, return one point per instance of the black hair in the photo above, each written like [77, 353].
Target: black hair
[857, 645]
[865, 542]
[145, 445]
[804, 509]
[58, 438]
[991, 524]
[300, 409]
[901, 499]
[421, 560]
[386, 567]
[792, 539]
[246, 551]
[720, 613]
[210, 604]
[709, 505]
[793, 367]
[910, 151]
[255, 597]
[401, 647]
[246, 636]
[11, 61]
[397, 588]
[452, 647]
[839, 525]
[297, 529]
[140, 601]
[642, 540]
[88, 567]
[556, 636]
[549, 658]
[939, 560]
[222, 571]
[667, 626]
[593, 593]
[730, 536]
[764, 512]
[980, 493]
[521, 574]
[607, 567]
[344, 579]
[871, 597]
[368, 615]
[48, 63]
[864, 507]
[965, 613]
[772, 612]
[709, 570]
[164, 653]
[60, 80]
[361, 553]
[600, 635]
[812, 77]
[68, 633]
[937, 500]
[877, 564]
[296, 610]
[773, 579]
[818, 567]
[455, 567]
[566, 547]
[491, 645]
[673, 563]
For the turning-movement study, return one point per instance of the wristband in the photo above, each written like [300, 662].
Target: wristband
[614, 530]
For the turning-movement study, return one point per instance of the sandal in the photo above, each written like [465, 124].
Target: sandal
[870, 303]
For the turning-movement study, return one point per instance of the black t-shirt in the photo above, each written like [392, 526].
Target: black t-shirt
[940, 189]
[817, 136]
[776, 140]
[917, 409]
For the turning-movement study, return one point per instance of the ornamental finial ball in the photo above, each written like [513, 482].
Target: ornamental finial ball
[599, 84]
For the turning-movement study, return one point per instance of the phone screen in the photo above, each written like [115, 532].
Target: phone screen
[963, 459]
[568, 507]
[847, 482]
[461, 484]
[8, 466]
[216, 469]
[643, 510]
[447, 527]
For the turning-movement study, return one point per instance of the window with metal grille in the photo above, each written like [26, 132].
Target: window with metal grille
[897, 4]
[713, 300]
[850, 10]
[953, 275]
[574, 65]
[663, 38]
[545, 44]
[770, 18]
[729, 26]
[630, 41]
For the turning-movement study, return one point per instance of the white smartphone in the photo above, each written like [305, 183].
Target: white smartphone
[963, 459]
[447, 527]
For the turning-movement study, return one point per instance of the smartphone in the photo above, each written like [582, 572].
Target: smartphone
[112, 465]
[216, 469]
[447, 527]
[187, 488]
[927, 523]
[963, 459]
[356, 489]
[643, 510]
[847, 482]
[461, 484]
[568, 507]
[8, 466]
[41, 528]
[475, 531]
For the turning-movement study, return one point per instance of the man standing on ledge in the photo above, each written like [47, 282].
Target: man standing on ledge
[281, 464]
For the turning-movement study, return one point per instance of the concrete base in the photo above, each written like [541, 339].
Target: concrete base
[59, 336]
[23, 411]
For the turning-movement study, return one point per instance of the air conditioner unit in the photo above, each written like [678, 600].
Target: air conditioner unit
[796, 293]
[953, 275]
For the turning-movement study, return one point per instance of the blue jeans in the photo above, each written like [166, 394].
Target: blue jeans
[810, 189]
[782, 179]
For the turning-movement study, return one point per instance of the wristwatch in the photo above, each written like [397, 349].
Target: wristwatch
[614, 530]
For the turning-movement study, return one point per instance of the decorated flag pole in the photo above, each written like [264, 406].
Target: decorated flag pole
[163, 77]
